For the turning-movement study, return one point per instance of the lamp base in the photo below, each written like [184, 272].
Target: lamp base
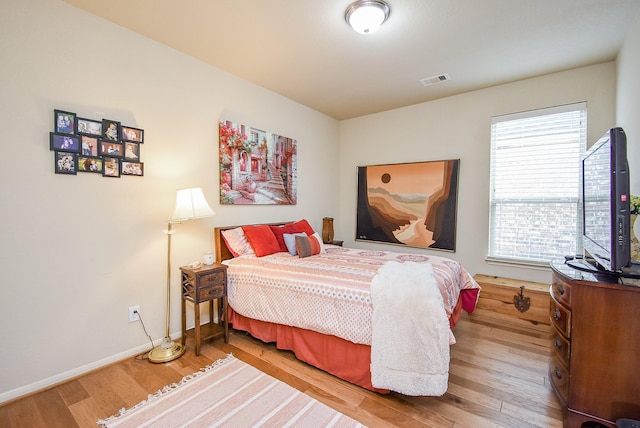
[167, 351]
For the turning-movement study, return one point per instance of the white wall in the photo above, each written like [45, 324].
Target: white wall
[77, 251]
[459, 128]
[628, 101]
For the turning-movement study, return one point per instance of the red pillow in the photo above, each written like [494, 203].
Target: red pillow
[278, 231]
[304, 226]
[262, 239]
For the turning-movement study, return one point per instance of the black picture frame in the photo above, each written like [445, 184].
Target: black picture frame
[111, 130]
[64, 122]
[111, 167]
[89, 145]
[91, 164]
[65, 163]
[131, 151]
[99, 146]
[111, 149]
[90, 127]
[129, 133]
[64, 142]
[132, 168]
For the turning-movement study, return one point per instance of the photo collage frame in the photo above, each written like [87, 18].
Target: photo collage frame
[103, 146]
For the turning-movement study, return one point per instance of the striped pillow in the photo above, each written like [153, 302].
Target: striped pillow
[309, 245]
[237, 242]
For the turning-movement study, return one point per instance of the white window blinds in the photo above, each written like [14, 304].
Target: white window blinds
[535, 184]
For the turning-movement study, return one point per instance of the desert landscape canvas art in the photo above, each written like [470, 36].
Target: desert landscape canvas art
[411, 204]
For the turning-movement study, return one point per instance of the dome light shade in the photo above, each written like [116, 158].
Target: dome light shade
[366, 16]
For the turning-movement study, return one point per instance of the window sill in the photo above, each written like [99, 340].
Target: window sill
[518, 263]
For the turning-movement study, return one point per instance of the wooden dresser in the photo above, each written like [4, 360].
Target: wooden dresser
[595, 342]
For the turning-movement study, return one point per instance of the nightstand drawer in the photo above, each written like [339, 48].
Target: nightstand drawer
[213, 278]
[208, 293]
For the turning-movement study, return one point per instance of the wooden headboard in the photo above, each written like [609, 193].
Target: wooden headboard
[222, 251]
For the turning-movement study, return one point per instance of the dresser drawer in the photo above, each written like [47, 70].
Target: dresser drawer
[561, 347]
[560, 317]
[559, 377]
[208, 293]
[561, 291]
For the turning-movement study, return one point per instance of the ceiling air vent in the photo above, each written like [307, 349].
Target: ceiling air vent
[428, 81]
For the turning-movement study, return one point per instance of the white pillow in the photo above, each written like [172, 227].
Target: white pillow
[290, 241]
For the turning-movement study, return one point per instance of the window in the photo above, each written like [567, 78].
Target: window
[535, 184]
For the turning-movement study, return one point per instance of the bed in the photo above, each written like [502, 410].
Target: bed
[350, 312]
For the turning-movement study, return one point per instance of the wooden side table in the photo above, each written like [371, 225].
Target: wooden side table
[205, 284]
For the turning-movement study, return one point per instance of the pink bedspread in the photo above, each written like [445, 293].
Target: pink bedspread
[328, 293]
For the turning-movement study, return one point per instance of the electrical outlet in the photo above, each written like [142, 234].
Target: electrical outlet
[134, 313]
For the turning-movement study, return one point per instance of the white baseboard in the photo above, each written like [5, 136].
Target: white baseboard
[62, 377]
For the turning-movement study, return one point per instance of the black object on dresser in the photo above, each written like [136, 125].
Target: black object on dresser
[595, 346]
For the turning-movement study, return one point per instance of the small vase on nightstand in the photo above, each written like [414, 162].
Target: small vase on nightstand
[327, 230]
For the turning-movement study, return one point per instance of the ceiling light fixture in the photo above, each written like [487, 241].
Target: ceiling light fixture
[366, 16]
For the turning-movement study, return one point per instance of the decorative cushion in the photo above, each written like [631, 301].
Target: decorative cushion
[237, 242]
[279, 231]
[303, 226]
[290, 242]
[309, 245]
[262, 239]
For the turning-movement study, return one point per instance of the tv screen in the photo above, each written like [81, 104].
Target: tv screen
[605, 203]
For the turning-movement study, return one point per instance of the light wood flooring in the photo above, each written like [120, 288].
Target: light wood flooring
[498, 378]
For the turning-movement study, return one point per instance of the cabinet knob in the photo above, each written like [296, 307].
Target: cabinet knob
[558, 373]
[560, 289]
[557, 314]
[558, 343]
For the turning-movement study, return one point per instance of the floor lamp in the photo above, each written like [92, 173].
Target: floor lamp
[190, 205]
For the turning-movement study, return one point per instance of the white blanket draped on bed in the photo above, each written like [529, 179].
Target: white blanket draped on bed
[410, 331]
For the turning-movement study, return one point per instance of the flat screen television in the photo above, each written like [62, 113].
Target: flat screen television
[605, 203]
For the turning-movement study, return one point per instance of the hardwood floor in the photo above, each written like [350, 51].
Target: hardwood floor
[498, 378]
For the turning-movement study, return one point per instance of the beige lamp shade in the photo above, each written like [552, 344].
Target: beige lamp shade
[191, 204]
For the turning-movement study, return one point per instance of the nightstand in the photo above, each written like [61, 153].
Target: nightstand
[335, 243]
[205, 284]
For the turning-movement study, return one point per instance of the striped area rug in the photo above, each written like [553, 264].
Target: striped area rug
[229, 393]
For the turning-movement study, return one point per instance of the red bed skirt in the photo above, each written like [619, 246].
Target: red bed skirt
[342, 358]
